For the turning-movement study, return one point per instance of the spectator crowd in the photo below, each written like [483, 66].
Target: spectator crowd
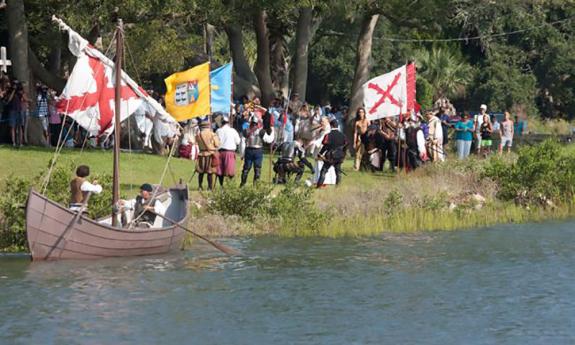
[301, 137]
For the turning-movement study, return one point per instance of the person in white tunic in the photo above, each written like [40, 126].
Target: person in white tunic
[435, 139]
[80, 188]
[229, 142]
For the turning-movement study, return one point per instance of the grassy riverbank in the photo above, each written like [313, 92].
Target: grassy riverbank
[447, 196]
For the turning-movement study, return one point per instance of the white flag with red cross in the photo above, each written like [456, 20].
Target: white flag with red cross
[390, 94]
[88, 97]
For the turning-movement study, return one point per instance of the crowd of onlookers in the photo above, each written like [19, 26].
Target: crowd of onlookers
[16, 111]
[411, 140]
[296, 133]
[292, 129]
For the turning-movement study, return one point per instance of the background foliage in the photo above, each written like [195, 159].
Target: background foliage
[531, 72]
[542, 175]
[15, 193]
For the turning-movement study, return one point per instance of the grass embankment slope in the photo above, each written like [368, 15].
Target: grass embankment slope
[447, 196]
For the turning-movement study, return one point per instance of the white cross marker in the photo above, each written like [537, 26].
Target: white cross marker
[4, 62]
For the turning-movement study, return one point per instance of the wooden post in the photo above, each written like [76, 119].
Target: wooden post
[117, 119]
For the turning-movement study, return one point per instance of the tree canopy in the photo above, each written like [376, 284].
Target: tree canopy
[511, 55]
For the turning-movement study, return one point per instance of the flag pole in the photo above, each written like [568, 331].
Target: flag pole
[232, 114]
[117, 119]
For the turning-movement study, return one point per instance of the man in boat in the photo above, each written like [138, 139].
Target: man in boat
[80, 187]
[145, 207]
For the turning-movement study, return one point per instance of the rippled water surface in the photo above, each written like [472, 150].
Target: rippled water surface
[511, 284]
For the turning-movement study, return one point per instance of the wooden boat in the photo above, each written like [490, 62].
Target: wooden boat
[54, 233]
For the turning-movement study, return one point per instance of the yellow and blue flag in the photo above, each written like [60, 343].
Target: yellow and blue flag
[188, 93]
[221, 83]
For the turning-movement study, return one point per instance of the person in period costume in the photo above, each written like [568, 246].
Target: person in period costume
[389, 149]
[254, 154]
[208, 158]
[144, 207]
[332, 153]
[435, 138]
[188, 148]
[412, 150]
[229, 142]
[373, 143]
[286, 165]
[80, 187]
[360, 128]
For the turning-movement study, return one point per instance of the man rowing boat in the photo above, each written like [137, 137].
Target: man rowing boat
[144, 206]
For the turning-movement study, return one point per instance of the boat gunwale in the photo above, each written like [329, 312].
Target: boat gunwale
[105, 226]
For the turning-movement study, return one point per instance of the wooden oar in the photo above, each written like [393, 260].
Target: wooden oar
[72, 223]
[223, 248]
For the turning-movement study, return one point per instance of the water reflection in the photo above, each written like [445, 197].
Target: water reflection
[504, 284]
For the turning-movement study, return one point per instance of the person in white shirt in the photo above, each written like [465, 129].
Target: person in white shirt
[229, 141]
[477, 122]
[144, 206]
[80, 187]
[435, 140]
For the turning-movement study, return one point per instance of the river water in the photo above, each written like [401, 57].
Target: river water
[512, 284]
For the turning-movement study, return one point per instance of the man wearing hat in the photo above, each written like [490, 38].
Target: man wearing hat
[332, 153]
[144, 206]
[208, 158]
[229, 141]
[477, 122]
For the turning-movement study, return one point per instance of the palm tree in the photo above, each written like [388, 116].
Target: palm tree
[445, 70]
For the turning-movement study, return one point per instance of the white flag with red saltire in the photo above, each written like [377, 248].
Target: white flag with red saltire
[390, 94]
[89, 95]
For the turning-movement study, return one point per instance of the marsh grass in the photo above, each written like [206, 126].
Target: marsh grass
[419, 219]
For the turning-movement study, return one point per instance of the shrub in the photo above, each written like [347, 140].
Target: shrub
[247, 203]
[542, 174]
[436, 202]
[291, 208]
[15, 193]
[393, 202]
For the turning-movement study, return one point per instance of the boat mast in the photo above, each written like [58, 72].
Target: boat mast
[117, 117]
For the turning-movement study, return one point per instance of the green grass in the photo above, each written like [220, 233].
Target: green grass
[135, 168]
[357, 206]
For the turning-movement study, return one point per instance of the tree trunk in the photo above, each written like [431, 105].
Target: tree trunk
[209, 34]
[302, 40]
[55, 57]
[18, 38]
[363, 55]
[241, 66]
[48, 78]
[280, 63]
[262, 67]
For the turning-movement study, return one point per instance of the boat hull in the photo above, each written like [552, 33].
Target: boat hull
[54, 235]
